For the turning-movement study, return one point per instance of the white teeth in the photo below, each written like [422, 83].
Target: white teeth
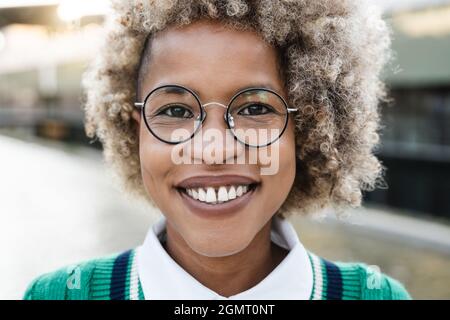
[218, 195]
[239, 191]
[201, 194]
[232, 193]
[222, 195]
[210, 195]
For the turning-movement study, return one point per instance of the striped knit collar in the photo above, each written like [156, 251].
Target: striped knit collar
[125, 283]
[330, 280]
[335, 280]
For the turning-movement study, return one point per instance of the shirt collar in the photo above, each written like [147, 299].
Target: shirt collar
[163, 278]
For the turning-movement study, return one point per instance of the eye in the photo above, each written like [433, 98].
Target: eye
[255, 109]
[176, 111]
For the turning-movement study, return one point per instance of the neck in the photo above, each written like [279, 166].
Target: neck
[232, 274]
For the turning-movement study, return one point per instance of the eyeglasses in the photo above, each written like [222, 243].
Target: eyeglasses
[257, 117]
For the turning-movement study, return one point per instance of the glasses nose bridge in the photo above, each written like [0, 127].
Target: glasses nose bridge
[218, 104]
[214, 103]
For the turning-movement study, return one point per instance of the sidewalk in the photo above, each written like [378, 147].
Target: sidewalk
[399, 226]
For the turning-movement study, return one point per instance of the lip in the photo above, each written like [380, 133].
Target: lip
[215, 181]
[217, 211]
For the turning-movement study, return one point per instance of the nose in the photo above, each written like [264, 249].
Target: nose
[215, 144]
[230, 118]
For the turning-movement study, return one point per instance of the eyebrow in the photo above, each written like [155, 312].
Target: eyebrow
[177, 90]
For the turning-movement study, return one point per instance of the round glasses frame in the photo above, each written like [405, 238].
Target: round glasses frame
[228, 118]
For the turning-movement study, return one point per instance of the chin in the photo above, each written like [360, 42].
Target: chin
[218, 248]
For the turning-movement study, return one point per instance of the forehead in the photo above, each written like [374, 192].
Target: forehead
[211, 58]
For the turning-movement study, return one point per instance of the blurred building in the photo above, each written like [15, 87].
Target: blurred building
[416, 136]
[45, 46]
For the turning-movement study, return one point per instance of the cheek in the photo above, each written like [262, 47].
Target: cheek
[155, 162]
[287, 162]
[288, 149]
[280, 183]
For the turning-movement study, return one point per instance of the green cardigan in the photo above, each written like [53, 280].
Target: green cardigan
[115, 278]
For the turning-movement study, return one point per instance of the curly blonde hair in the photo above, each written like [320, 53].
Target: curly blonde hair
[332, 52]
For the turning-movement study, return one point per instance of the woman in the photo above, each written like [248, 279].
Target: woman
[229, 116]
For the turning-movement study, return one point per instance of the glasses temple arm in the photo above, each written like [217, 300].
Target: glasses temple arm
[139, 105]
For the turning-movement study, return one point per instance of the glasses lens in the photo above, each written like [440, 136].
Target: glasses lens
[257, 117]
[172, 113]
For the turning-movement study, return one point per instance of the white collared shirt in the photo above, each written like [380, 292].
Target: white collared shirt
[163, 278]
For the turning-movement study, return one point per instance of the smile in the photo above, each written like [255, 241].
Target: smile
[218, 195]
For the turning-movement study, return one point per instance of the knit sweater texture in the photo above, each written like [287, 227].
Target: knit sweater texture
[115, 277]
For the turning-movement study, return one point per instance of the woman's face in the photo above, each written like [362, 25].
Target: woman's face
[216, 62]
